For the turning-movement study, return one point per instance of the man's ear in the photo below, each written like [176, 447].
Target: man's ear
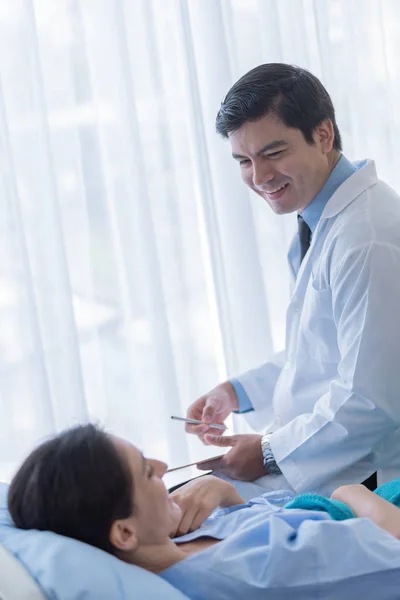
[123, 535]
[325, 135]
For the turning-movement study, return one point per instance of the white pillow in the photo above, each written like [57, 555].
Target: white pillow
[15, 581]
[66, 569]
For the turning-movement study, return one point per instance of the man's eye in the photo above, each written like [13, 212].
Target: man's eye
[244, 161]
[274, 154]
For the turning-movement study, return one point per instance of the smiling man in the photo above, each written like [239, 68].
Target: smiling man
[287, 172]
[327, 409]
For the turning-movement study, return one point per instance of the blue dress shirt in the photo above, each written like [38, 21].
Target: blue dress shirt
[311, 215]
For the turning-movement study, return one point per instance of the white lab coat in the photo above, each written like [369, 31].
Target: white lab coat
[333, 398]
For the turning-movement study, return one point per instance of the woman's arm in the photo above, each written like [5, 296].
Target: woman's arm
[365, 503]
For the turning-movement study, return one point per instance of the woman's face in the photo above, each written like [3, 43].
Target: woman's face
[155, 514]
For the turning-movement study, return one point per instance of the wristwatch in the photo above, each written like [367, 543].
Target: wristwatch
[270, 465]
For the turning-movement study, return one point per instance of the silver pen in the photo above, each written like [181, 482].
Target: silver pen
[196, 422]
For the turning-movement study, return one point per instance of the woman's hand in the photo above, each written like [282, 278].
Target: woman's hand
[199, 498]
[365, 503]
[350, 494]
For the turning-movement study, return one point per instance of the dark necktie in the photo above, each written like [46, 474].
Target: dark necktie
[304, 236]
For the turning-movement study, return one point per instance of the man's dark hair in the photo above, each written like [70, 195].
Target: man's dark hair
[294, 95]
[76, 485]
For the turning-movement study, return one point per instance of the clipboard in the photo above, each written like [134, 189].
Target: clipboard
[193, 464]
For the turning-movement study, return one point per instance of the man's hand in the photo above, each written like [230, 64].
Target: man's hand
[213, 407]
[244, 461]
[199, 498]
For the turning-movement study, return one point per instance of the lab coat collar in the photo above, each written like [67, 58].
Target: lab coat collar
[351, 188]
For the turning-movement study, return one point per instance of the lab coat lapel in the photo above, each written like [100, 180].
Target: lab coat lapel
[350, 189]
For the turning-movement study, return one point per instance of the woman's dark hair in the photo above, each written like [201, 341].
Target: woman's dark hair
[294, 95]
[75, 484]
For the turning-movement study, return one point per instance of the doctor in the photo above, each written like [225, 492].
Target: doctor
[328, 408]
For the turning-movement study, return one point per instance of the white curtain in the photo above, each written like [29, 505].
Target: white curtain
[136, 271]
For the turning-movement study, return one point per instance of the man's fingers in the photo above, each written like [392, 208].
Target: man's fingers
[196, 429]
[210, 409]
[213, 465]
[220, 440]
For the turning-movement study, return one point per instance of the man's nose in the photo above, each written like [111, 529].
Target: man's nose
[262, 174]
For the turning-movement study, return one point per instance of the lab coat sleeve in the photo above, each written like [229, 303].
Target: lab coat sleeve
[259, 385]
[362, 405]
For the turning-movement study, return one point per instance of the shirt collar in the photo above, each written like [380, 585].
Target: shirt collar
[312, 213]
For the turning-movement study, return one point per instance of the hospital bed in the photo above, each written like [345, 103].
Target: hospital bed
[40, 565]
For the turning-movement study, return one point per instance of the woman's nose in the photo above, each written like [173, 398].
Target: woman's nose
[160, 467]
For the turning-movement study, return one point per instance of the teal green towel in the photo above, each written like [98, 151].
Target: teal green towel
[338, 510]
[390, 491]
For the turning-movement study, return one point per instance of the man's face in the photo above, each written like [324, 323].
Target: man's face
[279, 165]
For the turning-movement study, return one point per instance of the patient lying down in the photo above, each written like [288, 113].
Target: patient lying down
[203, 538]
